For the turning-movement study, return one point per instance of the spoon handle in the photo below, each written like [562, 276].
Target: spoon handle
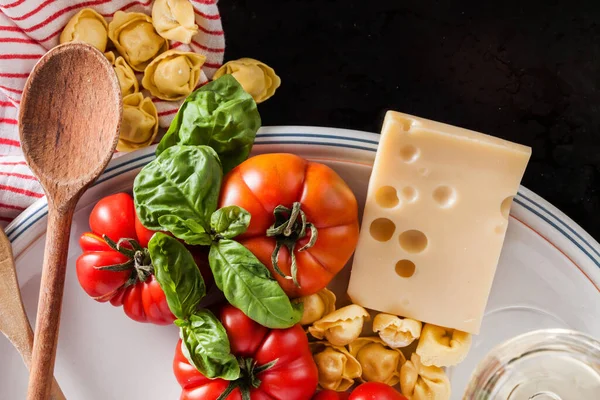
[13, 317]
[24, 344]
[25, 350]
[50, 302]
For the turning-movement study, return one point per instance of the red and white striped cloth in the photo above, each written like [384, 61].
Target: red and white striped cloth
[29, 28]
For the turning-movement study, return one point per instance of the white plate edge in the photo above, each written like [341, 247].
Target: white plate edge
[531, 209]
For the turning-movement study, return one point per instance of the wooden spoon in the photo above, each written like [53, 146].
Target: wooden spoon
[69, 126]
[13, 319]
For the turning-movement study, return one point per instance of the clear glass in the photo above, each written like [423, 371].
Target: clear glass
[550, 364]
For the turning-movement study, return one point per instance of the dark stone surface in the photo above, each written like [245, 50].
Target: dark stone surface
[528, 72]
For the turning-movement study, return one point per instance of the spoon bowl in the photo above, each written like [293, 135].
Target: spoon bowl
[69, 127]
[70, 111]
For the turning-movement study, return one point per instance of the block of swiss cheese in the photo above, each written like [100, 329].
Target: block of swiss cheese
[434, 221]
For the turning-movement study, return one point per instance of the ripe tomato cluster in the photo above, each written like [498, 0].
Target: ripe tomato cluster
[303, 228]
[115, 265]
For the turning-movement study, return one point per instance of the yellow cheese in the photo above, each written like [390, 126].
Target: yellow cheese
[434, 221]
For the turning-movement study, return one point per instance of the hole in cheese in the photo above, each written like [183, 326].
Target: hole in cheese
[405, 268]
[445, 196]
[409, 193]
[406, 124]
[409, 153]
[505, 206]
[387, 197]
[413, 241]
[382, 229]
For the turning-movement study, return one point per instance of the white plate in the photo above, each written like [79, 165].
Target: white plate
[549, 276]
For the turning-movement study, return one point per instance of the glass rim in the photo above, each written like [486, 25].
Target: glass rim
[488, 371]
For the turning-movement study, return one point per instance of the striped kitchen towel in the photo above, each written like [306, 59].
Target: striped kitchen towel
[28, 28]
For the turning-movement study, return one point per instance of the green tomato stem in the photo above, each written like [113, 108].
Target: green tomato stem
[248, 378]
[287, 231]
[139, 261]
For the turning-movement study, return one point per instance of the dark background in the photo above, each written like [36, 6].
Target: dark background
[528, 72]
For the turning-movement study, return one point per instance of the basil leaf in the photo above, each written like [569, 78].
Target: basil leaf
[249, 286]
[177, 274]
[184, 181]
[230, 221]
[188, 230]
[206, 346]
[220, 115]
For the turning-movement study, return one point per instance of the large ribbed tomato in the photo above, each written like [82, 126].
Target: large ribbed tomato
[276, 364]
[300, 210]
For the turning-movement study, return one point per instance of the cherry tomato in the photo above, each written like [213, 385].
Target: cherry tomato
[114, 216]
[294, 375]
[280, 190]
[376, 391]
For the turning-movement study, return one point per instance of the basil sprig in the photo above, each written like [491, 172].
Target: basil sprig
[204, 340]
[179, 190]
[249, 286]
[178, 275]
[220, 115]
[230, 221]
[245, 281]
[205, 344]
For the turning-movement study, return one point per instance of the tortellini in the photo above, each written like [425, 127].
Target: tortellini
[379, 363]
[135, 38]
[173, 75]
[420, 382]
[86, 26]
[396, 332]
[317, 305]
[174, 20]
[341, 327]
[127, 80]
[338, 369]
[257, 78]
[442, 347]
[139, 125]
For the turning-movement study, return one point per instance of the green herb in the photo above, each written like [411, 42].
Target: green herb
[230, 221]
[177, 274]
[188, 230]
[249, 286]
[206, 346]
[178, 192]
[204, 340]
[220, 115]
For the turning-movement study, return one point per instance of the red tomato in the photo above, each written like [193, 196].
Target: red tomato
[133, 285]
[331, 395]
[293, 377]
[200, 254]
[376, 391]
[143, 234]
[262, 183]
[114, 216]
